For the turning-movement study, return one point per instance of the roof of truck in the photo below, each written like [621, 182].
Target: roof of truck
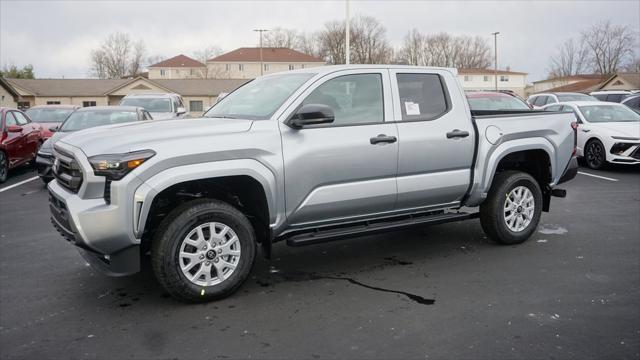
[333, 68]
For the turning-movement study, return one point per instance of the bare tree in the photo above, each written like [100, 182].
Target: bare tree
[611, 46]
[443, 49]
[281, 38]
[118, 56]
[368, 43]
[572, 58]
[207, 53]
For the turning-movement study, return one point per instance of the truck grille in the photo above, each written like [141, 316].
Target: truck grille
[67, 170]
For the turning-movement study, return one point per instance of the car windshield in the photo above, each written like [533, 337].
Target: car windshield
[260, 98]
[493, 102]
[575, 97]
[609, 113]
[86, 119]
[51, 115]
[160, 105]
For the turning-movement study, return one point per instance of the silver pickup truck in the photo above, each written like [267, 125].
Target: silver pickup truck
[304, 157]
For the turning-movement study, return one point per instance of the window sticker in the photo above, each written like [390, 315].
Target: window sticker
[412, 108]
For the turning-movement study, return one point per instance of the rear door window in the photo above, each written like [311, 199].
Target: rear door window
[601, 97]
[553, 108]
[422, 96]
[614, 97]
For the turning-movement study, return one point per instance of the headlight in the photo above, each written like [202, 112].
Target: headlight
[45, 153]
[116, 166]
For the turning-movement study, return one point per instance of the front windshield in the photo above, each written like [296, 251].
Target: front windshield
[159, 105]
[259, 99]
[575, 97]
[86, 119]
[50, 115]
[496, 103]
[609, 113]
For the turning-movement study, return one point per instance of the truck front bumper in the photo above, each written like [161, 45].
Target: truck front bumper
[96, 229]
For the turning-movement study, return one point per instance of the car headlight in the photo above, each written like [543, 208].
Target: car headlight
[116, 166]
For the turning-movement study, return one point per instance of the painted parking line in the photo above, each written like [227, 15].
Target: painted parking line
[597, 176]
[18, 184]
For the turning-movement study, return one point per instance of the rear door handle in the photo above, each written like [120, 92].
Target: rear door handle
[457, 134]
[382, 138]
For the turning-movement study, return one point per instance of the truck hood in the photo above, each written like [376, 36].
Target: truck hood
[629, 129]
[127, 137]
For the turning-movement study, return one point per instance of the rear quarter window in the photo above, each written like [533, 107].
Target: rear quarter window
[422, 96]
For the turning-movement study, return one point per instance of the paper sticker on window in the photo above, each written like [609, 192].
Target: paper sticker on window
[412, 108]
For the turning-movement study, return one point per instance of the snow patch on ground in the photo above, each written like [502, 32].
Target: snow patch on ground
[549, 229]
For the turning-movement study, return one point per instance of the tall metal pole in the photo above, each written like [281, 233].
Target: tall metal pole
[261, 59]
[495, 58]
[347, 35]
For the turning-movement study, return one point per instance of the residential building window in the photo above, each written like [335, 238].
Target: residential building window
[162, 72]
[88, 103]
[487, 78]
[227, 67]
[177, 72]
[504, 78]
[291, 67]
[195, 105]
[24, 105]
[53, 102]
[266, 67]
[302, 66]
[192, 72]
[241, 67]
[468, 78]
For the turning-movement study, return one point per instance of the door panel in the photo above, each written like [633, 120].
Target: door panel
[434, 168]
[337, 171]
[14, 142]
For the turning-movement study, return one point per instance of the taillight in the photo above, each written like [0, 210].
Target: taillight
[574, 126]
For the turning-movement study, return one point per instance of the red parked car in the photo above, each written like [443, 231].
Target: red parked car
[19, 140]
[50, 116]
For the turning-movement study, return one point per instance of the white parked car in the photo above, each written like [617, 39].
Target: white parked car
[540, 100]
[607, 132]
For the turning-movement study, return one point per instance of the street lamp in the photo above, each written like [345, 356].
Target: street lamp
[261, 59]
[495, 57]
[347, 36]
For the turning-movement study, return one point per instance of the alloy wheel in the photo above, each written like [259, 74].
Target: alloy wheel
[595, 155]
[209, 254]
[519, 208]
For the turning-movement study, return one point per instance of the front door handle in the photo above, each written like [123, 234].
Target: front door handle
[382, 138]
[585, 130]
[457, 134]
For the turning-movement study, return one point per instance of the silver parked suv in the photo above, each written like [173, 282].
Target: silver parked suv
[161, 106]
[304, 157]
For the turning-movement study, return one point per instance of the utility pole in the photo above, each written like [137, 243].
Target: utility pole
[495, 57]
[347, 35]
[261, 59]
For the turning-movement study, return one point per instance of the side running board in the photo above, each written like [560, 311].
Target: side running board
[320, 235]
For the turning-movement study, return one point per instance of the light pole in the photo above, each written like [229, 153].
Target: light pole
[347, 35]
[495, 58]
[261, 59]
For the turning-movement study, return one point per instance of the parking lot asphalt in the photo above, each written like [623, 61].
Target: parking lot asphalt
[443, 292]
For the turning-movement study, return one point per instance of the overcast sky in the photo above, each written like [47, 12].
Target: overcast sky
[57, 36]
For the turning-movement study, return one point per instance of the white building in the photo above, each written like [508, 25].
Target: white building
[484, 80]
[178, 67]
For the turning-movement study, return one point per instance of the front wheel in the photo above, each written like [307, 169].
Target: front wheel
[4, 167]
[594, 154]
[512, 210]
[203, 250]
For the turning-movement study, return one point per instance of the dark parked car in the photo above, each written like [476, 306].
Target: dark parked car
[19, 140]
[81, 119]
[491, 100]
[50, 116]
[633, 102]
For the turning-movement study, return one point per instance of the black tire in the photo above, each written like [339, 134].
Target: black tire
[492, 212]
[4, 167]
[594, 154]
[172, 232]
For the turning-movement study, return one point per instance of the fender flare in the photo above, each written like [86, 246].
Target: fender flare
[146, 193]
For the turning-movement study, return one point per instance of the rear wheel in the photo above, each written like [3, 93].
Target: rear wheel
[512, 210]
[594, 154]
[4, 167]
[203, 250]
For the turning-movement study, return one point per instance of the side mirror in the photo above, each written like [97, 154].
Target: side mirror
[181, 110]
[14, 128]
[312, 114]
[53, 129]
